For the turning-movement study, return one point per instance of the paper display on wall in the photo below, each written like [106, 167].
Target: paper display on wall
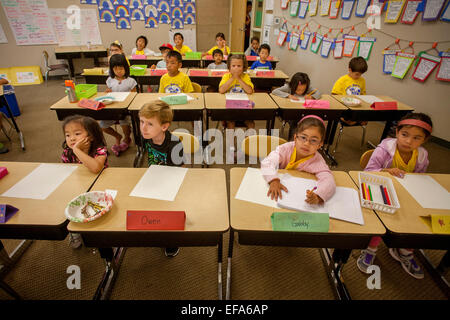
[361, 8]
[410, 13]
[325, 7]
[403, 62]
[338, 48]
[313, 4]
[326, 47]
[432, 9]
[443, 72]
[30, 21]
[315, 45]
[3, 38]
[427, 63]
[365, 47]
[349, 45]
[88, 32]
[394, 10]
[304, 42]
[303, 8]
[389, 60]
[347, 7]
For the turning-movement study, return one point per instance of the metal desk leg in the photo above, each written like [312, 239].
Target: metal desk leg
[11, 259]
[334, 264]
[22, 143]
[437, 273]
[230, 255]
[113, 258]
[219, 263]
[9, 290]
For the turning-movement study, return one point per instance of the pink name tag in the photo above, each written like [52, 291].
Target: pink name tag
[138, 56]
[317, 104]
[158, 72]
[199, 73]
[239, 104]
[218, 73]
[209, 57]
[265, 73]
[3, 172]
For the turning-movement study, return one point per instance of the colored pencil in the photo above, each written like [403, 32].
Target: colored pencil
[366, 191]
[387, 196]
[362, 191]
[383, 195]
[370, 192]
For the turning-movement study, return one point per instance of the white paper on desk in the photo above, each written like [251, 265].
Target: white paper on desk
[189, 98]
[118, 96]
[369, 99]
[41, 182]
[254, 189]
[344, 205]
[236, 96]
[160, 182]
[300, 100]
[427, 191]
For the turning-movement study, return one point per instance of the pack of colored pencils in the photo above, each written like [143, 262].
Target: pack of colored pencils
[368, 194]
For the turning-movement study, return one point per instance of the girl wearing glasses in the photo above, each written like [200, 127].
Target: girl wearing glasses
[301, 154]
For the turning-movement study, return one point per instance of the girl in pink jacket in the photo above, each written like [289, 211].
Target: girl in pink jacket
[399, 156]
[301, 154]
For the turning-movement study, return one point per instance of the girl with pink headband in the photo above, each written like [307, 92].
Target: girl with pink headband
[302, 155]
[399, 156]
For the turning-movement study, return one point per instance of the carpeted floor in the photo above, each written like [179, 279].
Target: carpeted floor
[257, 272]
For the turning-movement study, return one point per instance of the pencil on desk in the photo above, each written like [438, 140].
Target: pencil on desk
[370, 193]
[311, 93]
[387, 196]
[383, 194]
[362, 191]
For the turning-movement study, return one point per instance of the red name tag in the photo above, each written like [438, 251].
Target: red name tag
[218, 73]
[386, 105]
[251, 58]
[265, 73]
[155, 220]
[158, 72]
[201, 73]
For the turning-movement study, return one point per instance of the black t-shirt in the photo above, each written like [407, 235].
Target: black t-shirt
[162, 154]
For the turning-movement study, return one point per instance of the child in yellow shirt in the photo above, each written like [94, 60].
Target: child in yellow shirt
[179, 46]
[175, 81]
[221, 44]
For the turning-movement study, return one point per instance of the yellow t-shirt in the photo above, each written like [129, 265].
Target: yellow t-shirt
[294, 164]
[183, 49]
[397, 161]
[235, 86]
[178, 84]
[346, 85]
[140, 53]
[216, 47]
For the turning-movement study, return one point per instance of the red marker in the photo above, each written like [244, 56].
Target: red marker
[387, 196]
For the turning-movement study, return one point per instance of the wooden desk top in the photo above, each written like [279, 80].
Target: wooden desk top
[285, 103]
[69, 49]
[142, 98]
[365, 106]
[51, 210]
[254, 217]
[262, 100]
[407, 218]
[203, 196]
[65, 104]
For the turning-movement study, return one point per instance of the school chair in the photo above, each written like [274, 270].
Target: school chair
[365, 158]
[342, 124]
[2, 117]
[260, 146]
[53, 67]
[190, 144]
[197, 87]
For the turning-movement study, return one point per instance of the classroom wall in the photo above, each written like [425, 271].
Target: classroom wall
[431, 97]
[212, 17]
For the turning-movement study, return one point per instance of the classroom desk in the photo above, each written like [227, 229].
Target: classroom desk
[146, 79]
[206, 60]
[74, 52]
[365, 113]
[153, 60]
[114, 111]
[202, 195]
[253, 225]
[259, 82]
[192, 111]
[294, 111]
[406, 228]
[264, 109]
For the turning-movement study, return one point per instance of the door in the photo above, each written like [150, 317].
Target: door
[238, 13]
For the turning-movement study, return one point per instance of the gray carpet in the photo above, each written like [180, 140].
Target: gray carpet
[257, 272]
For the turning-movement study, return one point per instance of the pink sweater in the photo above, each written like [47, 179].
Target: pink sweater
[279, 158]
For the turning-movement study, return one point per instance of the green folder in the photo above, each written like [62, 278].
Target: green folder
[193, 55]
[171, 100]
[300, 221]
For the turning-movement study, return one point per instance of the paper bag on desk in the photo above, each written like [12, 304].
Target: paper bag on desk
[6, 212]
[438, 223]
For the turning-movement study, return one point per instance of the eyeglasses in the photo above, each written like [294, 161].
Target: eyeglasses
[312, 141]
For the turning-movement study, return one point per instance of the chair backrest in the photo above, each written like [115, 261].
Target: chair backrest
[45, 54]
[364, 160]
[190, 142]
[260, 145]
[197, 87]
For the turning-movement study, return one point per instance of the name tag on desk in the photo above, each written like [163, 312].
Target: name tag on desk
[385, 105]
[155, 220]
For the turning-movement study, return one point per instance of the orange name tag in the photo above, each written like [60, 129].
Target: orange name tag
[155, 220]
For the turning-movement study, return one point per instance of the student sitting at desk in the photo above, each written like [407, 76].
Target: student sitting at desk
[141, 47]
[116, 48]
[302, 155]
[252, 50]
[179, 46]
[262, 63]
[175, 81]
[119, 80]
[221, 44]
[398, 156]
[165, 48]
[84, 143]
[218, 61]
[236, 81]
[155, 118]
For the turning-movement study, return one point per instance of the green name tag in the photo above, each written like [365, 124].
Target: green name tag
[174, 99]
[193, 55]
[300, 221]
